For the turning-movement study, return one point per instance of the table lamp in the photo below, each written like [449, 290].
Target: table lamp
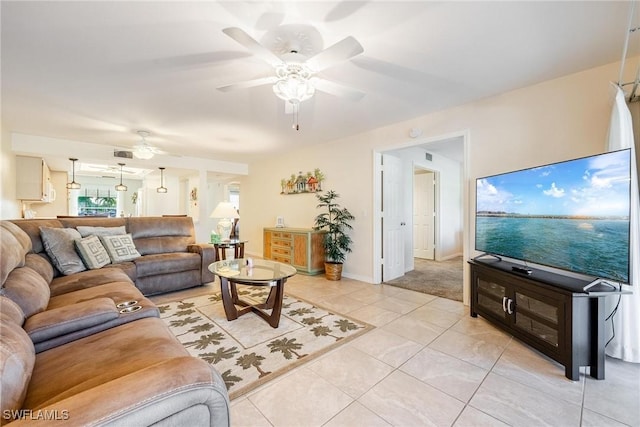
[227, 213]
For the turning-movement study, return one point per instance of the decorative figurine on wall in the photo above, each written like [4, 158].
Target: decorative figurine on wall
[302, 183]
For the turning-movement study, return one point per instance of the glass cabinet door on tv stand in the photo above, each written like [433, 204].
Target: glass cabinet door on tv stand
[538, 317]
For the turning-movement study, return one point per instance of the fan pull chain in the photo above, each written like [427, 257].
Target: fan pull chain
[296, 110]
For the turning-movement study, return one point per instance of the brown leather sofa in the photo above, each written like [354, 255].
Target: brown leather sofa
[71, 353]
[171, 259]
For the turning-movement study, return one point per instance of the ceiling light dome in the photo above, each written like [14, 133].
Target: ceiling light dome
[293, 82]
[143, 152]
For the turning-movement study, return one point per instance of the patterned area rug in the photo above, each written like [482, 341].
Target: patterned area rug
[247, 351]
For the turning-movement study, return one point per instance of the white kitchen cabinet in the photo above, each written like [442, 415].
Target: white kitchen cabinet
[33, 180]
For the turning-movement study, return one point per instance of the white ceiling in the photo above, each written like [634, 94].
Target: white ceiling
[98, 71]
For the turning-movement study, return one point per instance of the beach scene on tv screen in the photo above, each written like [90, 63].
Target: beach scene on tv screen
[572, 215]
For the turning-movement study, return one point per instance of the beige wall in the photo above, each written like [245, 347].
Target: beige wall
[551, 121]
[9, 207]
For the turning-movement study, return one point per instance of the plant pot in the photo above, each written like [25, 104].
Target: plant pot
[333, 270]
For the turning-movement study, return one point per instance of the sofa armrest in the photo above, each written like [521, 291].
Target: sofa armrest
[60, 321]
[179, 391]
[208, 254]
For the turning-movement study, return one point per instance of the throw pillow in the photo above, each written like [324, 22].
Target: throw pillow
[92, 252]
[120, 248]
[86, 230]
[59, 245]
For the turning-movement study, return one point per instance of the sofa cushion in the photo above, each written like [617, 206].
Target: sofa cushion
[28, 289]
[120, 248]
[22, 237]
[151, 265]
[157, 235]
[70, 318]
[86, 230]
[17, 358]
[41, 265]
[11, 310]
[87, 279]
[61, 324]
[169, 282]
[32, 228]
[93, 254]
[117, 291]
[13, 254]
[59, 245]
[80, 365]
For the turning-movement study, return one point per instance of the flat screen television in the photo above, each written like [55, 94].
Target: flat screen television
[571, 215]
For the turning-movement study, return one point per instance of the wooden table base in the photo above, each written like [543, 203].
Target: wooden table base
[274, 301]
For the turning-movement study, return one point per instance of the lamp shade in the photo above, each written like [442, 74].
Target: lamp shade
[162, 188]
[121, 186]
[73, 185]
[225, 210]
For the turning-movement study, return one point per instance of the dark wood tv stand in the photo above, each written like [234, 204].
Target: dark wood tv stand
[550, 312]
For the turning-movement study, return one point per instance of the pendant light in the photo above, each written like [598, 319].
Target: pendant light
[162, 188]
[73, 185]
[121, 187]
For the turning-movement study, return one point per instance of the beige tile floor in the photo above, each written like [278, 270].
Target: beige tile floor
[428, 363]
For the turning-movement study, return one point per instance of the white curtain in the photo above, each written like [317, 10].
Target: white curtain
[626, 323]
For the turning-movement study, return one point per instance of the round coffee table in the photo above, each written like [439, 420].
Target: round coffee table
[260, 273]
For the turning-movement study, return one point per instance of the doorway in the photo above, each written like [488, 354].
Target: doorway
[424, 213]
[429, 248]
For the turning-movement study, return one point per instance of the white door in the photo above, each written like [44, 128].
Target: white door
[392, 221]
[423, 214]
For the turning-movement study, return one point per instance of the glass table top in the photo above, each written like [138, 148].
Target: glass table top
[260, 271]
[230, 242]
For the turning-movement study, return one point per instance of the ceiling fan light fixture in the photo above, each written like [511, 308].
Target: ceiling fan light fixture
[294, 89]
[143, 151]
[294, 84]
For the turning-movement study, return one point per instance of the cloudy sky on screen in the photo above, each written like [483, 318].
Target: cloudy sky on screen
[594, 186]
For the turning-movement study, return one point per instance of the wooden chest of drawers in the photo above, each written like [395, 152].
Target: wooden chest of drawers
[301, 247]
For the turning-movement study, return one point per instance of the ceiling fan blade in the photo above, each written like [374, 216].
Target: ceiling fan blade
[250, 43]
[248, 84]
[269, 20]
[337, 89]
[343, 10]
[345, 49]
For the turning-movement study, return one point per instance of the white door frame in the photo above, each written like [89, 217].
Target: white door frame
[466, 205]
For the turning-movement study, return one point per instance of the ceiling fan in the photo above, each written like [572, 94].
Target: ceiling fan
[295, 76]
[143, 150]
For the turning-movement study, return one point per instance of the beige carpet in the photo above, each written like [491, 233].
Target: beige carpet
[440, 278]
[247, 351]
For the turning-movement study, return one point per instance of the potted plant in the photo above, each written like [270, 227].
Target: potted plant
[335, 221]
